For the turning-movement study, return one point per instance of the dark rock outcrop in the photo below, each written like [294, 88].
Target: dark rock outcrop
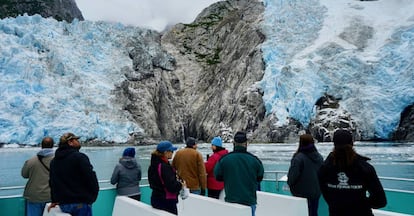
[329, 117]
[60, 10]
[405, 130]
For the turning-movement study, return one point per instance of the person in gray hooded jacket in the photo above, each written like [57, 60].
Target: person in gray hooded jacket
[36, 170]
[127, 174]
[303, 173]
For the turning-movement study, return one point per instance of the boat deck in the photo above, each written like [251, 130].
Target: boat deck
[399, 201]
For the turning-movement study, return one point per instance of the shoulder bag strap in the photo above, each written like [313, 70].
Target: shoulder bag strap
[168, 195]
[40, 159]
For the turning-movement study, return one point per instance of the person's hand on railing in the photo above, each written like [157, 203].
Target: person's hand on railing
[184, 192]
[52, 205]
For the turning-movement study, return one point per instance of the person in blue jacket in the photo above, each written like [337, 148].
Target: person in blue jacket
[241, 172]
[127, 174]
[348, 182]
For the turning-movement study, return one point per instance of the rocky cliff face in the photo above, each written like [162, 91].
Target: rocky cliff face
[221, 57]
[60, 10]
[208, 88]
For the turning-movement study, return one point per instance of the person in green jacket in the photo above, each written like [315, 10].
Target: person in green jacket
[241, 172]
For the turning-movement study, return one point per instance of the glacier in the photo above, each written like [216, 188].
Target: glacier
[306, 59]
[46, 89]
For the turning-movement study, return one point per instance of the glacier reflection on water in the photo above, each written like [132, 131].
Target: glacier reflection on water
[389, 159]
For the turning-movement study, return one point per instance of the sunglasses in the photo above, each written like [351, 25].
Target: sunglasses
[72, 137]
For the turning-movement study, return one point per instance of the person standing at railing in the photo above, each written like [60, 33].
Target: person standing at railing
[36, 170]
[73, 183]
[214, 187]
[127, 174]
[303, 173]
[348, 182]
[189, 164]
[241, 172]
[163, 179]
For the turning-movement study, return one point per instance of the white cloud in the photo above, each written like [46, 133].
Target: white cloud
[155, 14]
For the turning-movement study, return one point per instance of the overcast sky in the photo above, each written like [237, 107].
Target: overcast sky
[155, 14]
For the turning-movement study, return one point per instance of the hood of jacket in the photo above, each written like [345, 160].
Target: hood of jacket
[311, 152]
[330, 158]
[128, 162]
[46, 152]
[222, 152]
[64, 151]
[314, 156]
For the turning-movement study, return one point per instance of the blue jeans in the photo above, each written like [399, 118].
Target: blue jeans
[34, 209]
[253, 209]
[196, 191]
[77, 209]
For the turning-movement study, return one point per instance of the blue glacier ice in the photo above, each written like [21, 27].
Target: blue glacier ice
[43, 82]
[374, 89]
[43, 89]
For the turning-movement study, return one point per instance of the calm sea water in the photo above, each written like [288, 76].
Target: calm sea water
[389, 159]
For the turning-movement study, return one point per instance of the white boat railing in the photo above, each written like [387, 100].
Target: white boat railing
[11, 188]
[278, 176]
[274, 175]
[396, 179]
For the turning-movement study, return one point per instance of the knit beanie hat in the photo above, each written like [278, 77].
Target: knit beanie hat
[129, 152]
[217, 142]
[190, 142]
[240, 137]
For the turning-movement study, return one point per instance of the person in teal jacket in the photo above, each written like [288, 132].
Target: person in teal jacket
[241, 172]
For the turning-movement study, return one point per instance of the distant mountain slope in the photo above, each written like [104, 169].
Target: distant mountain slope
[60, 10]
